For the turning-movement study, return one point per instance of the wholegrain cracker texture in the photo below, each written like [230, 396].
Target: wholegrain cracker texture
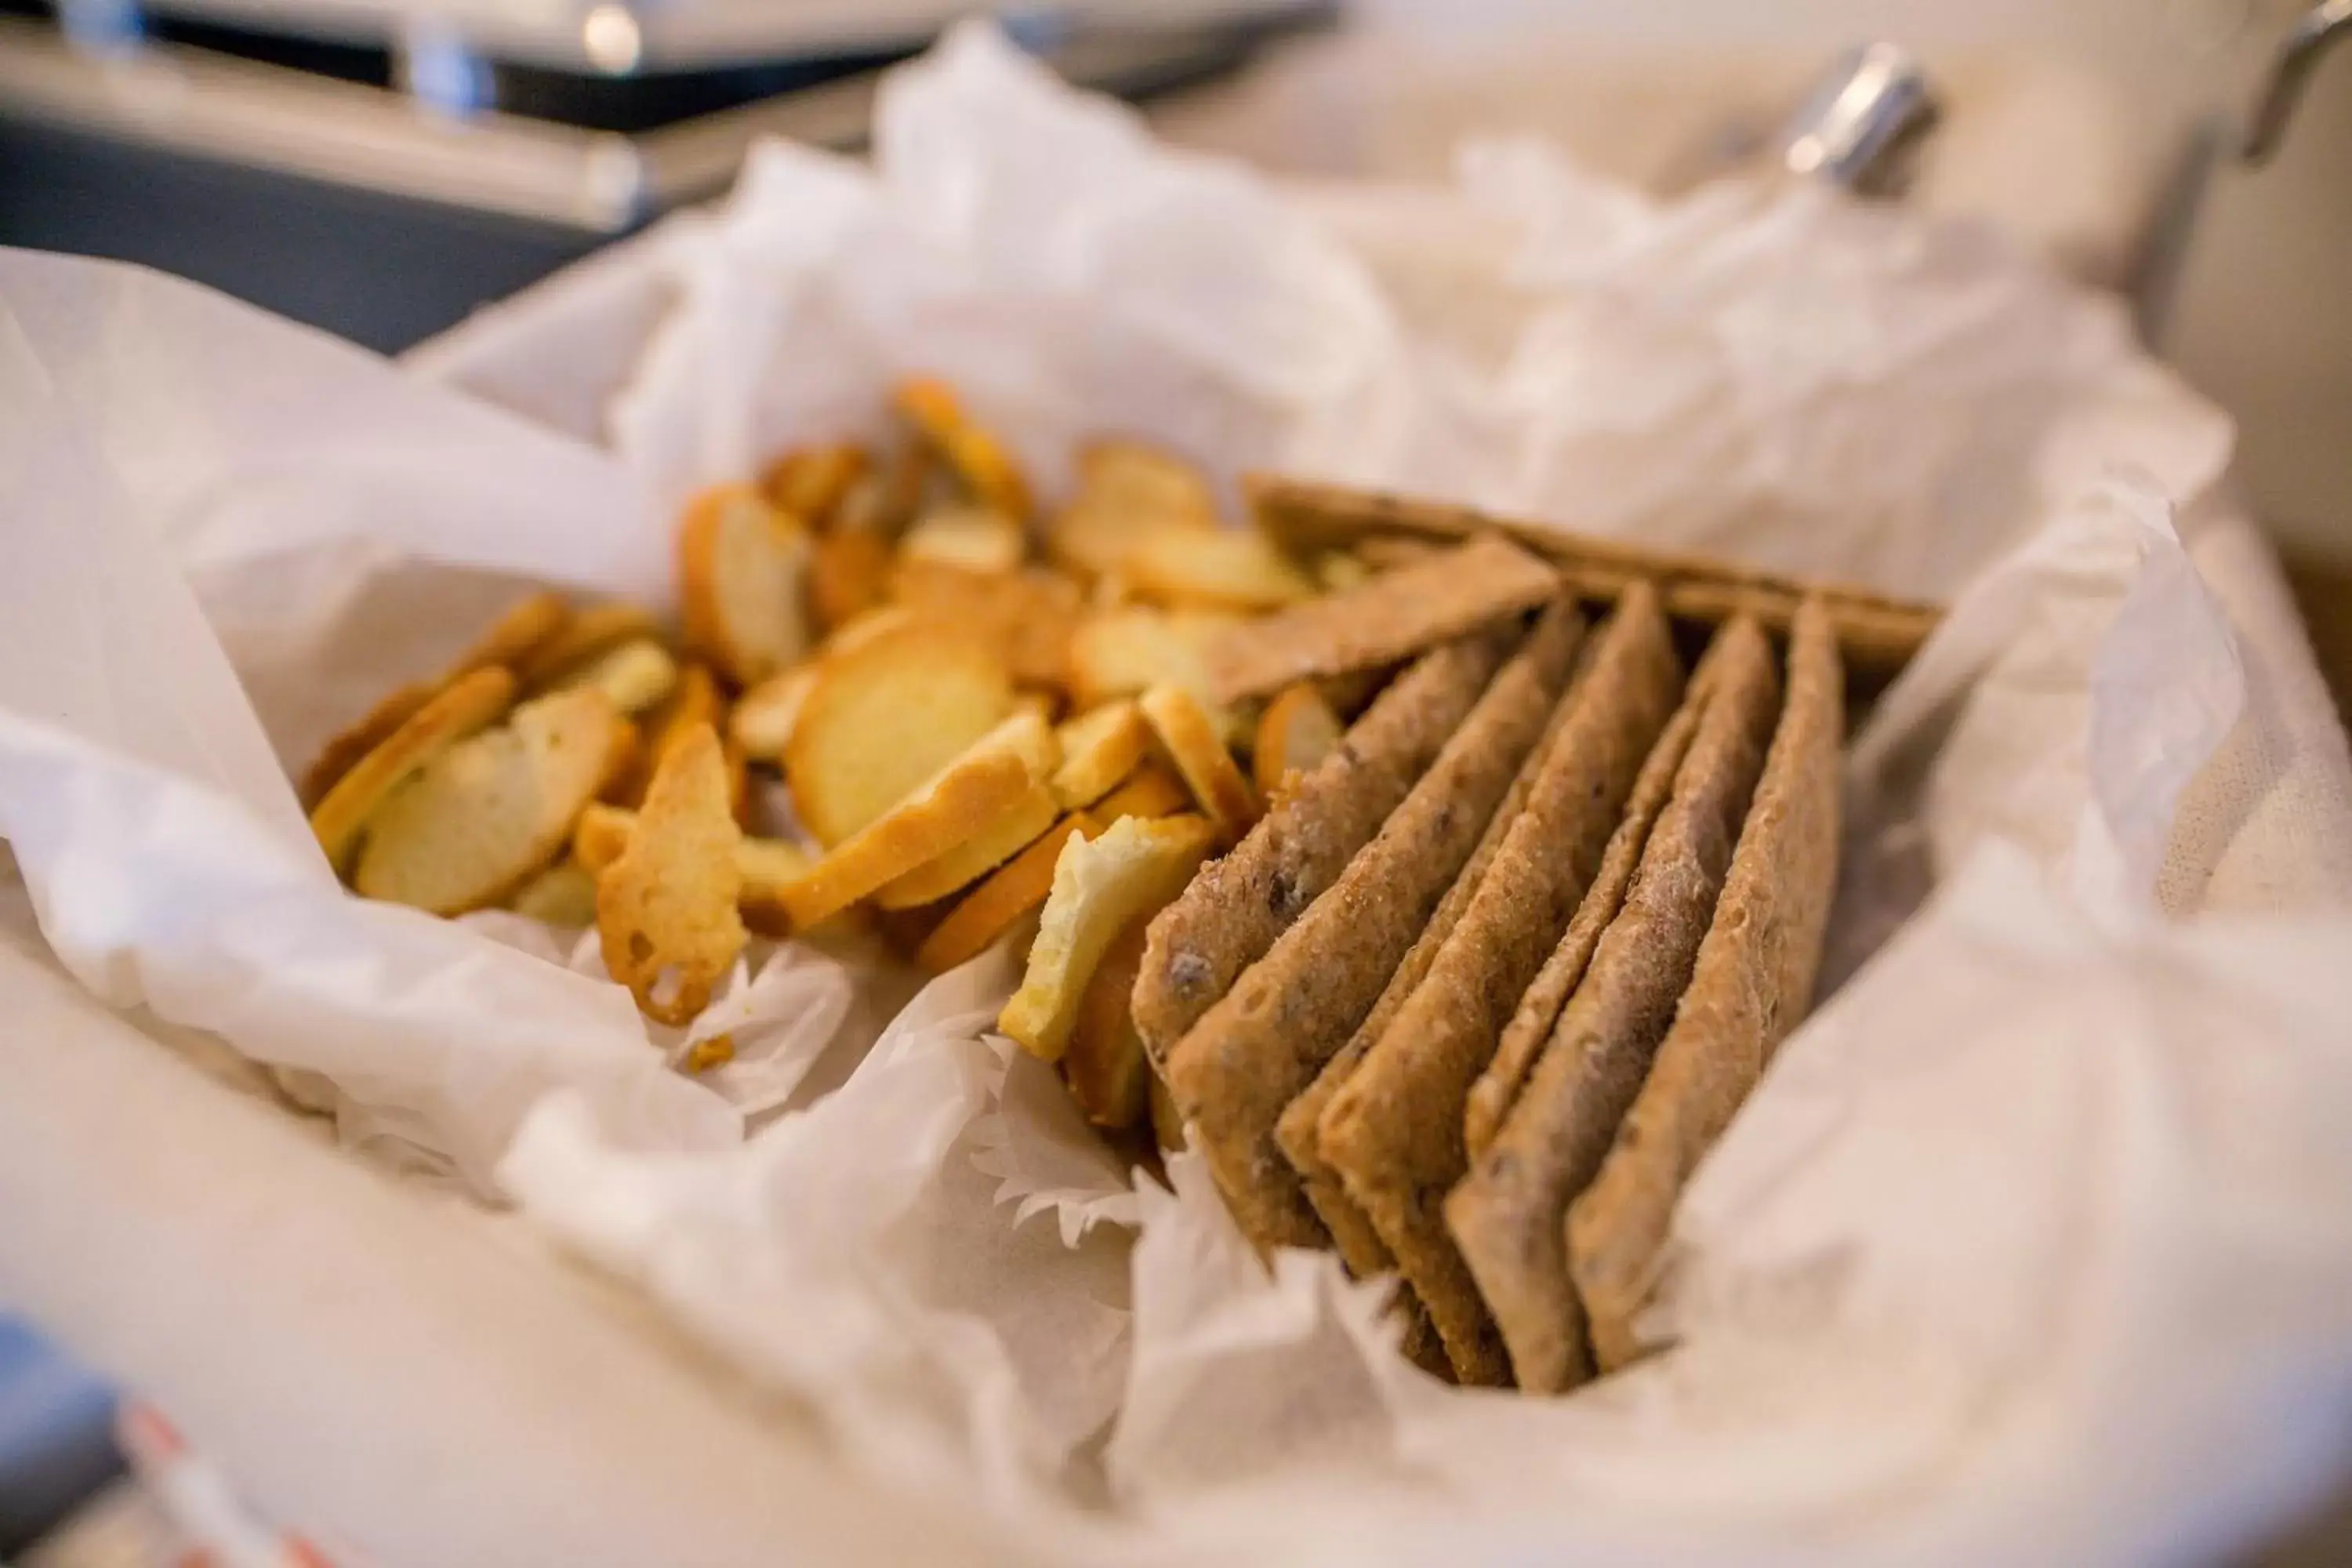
[1394, 1130]
[1237, 1070]
[1298, 1131]
[1753, 980]
[1390, 617]
[1232, 912]
[1506, 1215]
[1539, 1006]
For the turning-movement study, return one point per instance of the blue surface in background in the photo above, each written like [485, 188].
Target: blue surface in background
[56, 1434]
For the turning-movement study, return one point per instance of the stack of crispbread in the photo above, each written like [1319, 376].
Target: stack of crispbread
[1474, 997]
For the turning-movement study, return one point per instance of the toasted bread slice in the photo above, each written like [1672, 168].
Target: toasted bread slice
[666, 909]
[694, 698]
[1124, 651]
[984, 465]
[487, 814]
[521, 629]
[637, 675]
[811, 482]
[1104, 1066]
[524, 625]
[886, 499]
[885, 715]
[969, 538]
[743, 580]
[1151, 791]
[472, 703]
[761, 722]
[849, 573]
[1016, 889]
[371, 730]
[1101, 885]
[1297, 730]
[1013, 830]
[867, 627]
[1145, 479]
[1125, 490]
[1029, 613]
[585, 635]
[1190, 737]
[601, 835]
[1100, 749]
[959, 802]
[563, 895]
[766, 864]
[1227, 568]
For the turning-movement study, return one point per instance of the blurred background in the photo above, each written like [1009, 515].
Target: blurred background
[382, 168]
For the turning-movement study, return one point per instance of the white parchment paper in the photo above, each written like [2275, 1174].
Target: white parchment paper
[2035, 1244]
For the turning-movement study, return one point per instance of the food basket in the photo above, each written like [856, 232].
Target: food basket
[2068, 1109]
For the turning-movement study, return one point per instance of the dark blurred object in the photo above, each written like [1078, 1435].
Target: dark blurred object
[2312, 36]
[56, 1437]
[383, 185]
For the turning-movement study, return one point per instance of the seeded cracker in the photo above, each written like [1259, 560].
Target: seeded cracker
[1389, 617]
[1753, 980]
[1234, 908]
[1505, 1216]
[1264, 1041]
[1531, 1024]
[1359, 1244]
[1394, 1130]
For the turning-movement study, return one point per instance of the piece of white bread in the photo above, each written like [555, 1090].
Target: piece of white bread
[1221, 569]
[468, 704]
[955, 803]
[1190, 737]
[742, 577]
[1101, 887]
[761, 722]
[665, 908]
[884, 715]
[485, 815]
[563, 895]
[1013, 830]
[1297, 732]
[968, 538]
[636, 676]
[1099, 749]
